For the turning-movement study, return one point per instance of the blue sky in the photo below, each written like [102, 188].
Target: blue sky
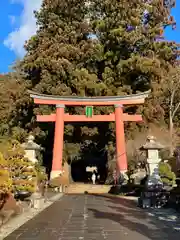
[17, 24]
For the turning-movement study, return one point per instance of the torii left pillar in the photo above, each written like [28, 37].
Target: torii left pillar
[58, 142]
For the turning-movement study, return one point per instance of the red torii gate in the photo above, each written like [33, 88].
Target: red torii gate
[60, 117]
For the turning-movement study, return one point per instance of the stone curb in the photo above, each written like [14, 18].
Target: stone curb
[132, 198]
[18, 221]
[129, 198]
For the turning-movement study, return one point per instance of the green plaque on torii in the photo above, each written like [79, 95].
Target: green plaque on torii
[89, 111]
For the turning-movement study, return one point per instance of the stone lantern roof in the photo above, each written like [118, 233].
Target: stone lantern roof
[30, 144]
[151, 143]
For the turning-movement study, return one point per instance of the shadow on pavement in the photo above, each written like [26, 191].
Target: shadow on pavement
[128, 215]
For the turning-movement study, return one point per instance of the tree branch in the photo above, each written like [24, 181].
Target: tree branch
[172, 99]
[175, 110]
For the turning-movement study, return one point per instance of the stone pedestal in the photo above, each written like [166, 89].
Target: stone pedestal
[37, 200]
[38, 203]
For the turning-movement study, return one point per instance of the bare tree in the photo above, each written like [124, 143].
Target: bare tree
[172, 85]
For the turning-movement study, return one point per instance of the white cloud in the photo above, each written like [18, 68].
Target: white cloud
[12, 19]
[16, 39]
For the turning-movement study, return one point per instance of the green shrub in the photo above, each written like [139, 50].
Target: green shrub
[167, 176]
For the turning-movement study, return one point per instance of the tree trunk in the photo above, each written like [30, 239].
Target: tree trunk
[70, 175]
[171, 134]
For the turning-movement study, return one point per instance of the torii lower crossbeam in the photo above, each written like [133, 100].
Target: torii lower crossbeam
[95, 118]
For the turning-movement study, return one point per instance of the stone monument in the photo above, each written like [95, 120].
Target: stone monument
[152, 148]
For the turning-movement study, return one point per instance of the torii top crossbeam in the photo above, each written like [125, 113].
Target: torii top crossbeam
[89, 101]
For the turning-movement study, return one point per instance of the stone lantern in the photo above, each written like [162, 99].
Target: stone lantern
[30, 148]
[152, 148]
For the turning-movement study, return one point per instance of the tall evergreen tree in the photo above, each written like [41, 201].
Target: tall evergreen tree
[59, 53]
[60, 60]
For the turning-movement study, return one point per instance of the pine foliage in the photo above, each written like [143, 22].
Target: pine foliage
[17, 172]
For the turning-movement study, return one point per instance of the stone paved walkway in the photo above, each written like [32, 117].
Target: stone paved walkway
[90, 217]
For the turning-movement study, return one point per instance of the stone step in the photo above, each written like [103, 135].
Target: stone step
[81, 188]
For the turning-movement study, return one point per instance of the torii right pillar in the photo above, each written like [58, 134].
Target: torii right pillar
[121, 157]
